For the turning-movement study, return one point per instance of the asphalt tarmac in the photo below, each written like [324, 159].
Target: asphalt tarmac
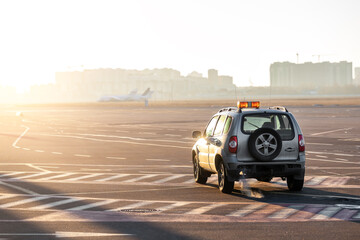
[102, 171]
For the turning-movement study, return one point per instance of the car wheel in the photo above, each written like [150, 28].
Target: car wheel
[295, 184]
[264, 179]
[265, 144]
[225, 186]
[199, 173]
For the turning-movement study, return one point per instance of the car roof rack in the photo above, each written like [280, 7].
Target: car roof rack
[280, 108]
[227, 109]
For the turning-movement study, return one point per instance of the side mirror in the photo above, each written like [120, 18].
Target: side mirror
[196, 134]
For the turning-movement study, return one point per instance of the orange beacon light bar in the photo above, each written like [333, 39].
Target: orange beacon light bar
[248, 104]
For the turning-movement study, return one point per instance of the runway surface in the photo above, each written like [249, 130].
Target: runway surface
[103, 171]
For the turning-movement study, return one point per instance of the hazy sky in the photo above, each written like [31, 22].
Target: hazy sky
[239, 38]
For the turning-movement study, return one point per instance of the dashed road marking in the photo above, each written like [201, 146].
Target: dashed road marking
[39, 151]
[55, 204]
[82, 155]
[131, 206]
[57, 153]
[169, 178]
[92, 205]
[172, 206]
[56, 176]
[141, 178]
[249, 211]
[12, 204]
[83, 177]
[286, 212]
[246, 210]
[336, 130]
[204, 209]
[157, 160]
[33, 175]
[326, 213]
[116, 158]
[112, 177]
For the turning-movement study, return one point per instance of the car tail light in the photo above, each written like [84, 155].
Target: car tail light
[233, 143]
[301, 143]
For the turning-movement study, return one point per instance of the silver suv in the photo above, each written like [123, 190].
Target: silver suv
[248, 142]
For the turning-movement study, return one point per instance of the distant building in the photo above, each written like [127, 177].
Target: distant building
[357, 76]
[311, 75]
[167, 84]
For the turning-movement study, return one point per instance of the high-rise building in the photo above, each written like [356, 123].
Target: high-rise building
[310, 75]
[357, 76]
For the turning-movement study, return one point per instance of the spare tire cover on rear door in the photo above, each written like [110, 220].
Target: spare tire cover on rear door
[265, 144]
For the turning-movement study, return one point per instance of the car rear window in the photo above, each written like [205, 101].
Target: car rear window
[279, 122]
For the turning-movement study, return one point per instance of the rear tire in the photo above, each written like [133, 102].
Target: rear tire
[225, 186]
[199, 173]
[295, 184]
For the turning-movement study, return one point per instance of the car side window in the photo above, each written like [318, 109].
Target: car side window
[220, 125]
[210, 128]
[227, 125]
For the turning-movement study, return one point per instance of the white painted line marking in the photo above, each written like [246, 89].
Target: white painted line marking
[320, 144]
[286, 212]
[83, 177]
[56, 176]
[169, 178]
[342, 159]
[149, 133]
[171, 206]
[82, 155]
[246, 210]
[327, 213]
[326, 160]
[192, 180]
[33, 175]
[316, 180]
[141, 178]
[26, 149]
[173, 135]
[117, 158]
[112, 177]
[37, 168]
[67, 234]
[204, 209]
[337, 130]
[131, 206]
[91, 205]
[321, 156]
[10, 174]
[343, 154]
[39, 151]
[18, 188]
[18, 139]
[6, 196]
[29, 200]
[54, 204]
[57, 153]
[158, 160]
[124, 141]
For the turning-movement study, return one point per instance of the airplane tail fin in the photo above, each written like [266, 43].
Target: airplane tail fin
[146, 92]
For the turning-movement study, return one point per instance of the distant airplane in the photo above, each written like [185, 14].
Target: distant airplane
[132, 96]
